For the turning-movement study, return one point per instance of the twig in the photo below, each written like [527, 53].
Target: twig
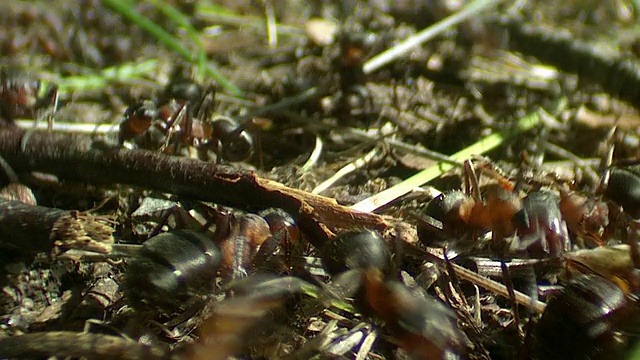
[413, 149]
[74, 344]
[427, 34]
[346, 170]
[78, 157]
[566, 154]
[272, 30]
[214, 14]
[303, 97]
[27, 228]
[314, 157]
[82, 128]
[498, 288]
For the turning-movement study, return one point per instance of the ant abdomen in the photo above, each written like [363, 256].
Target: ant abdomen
[172, 268]
[589, 319]
[356, 250]
[234, 141]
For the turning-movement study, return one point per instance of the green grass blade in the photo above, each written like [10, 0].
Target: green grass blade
[184, 22]
[471, 9]
[484, 145]
[124, 73]
[126, 9]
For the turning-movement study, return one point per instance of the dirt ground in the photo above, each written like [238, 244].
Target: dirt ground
[121, 121]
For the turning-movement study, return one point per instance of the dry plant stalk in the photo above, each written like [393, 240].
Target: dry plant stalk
[81, 231]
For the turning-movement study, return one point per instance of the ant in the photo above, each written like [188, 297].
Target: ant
[532, 224]
[241, 321]
[21, 96]
[421, 325]
[252, 239]
[612, 209]
[457, 218]
[591, 318]
[172, 268]
[176, 267]
[183, 118]
[596, 314]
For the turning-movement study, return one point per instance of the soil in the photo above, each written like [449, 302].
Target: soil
[78, 204]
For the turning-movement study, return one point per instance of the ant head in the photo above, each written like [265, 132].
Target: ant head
[137, 119]
[233, 140]
[239, 147]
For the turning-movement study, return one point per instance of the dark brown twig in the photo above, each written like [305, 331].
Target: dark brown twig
[72, 344]
[26, 229]
[78, 157]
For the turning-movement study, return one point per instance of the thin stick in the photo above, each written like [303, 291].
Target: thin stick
[498, 288]
[76, 345]
[346, 170]
[414, 149]
[80, 128]
[314, 157]
[427, 34]
[588, 170]
[272, 30]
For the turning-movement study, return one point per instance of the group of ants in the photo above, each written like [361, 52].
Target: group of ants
[593, 316]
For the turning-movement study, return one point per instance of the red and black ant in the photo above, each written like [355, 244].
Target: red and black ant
[176, 266]
[612, 210]
[184, 119]
[457, 219]
[20, 96]
[419, 324]
[596, 315]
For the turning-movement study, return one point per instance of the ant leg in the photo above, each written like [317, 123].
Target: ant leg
[224, 222]
[163, 220]
[259, 147]
[485, 166]
[54, 107]
[508, 281]
[455, 280]
[205, 105]
[89, 323]
[173, 123]
[263, 256]
[606, 161]
[259, 124]
[284, 235]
